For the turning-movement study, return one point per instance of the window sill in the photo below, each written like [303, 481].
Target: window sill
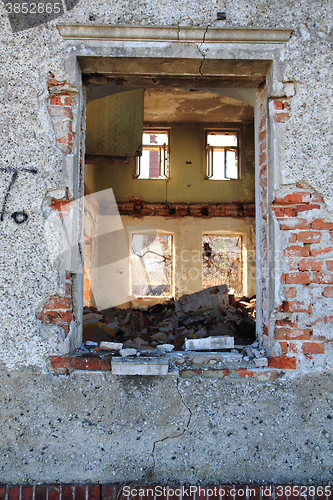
[178, 364]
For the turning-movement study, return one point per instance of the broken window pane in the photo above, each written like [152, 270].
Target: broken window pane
[153, 164]
[151, 259]
[222, 262]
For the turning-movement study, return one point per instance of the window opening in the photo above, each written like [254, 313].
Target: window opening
[222, 155]
[154, 161]
[151, 264]
[222, 262]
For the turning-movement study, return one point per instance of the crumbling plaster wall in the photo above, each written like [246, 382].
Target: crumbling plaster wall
[295, 442]
[97, 427]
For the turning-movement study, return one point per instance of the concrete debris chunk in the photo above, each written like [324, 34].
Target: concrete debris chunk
[209, 344]
[128, 352]
[261, 362]
[201, 333]
[110, 346]
[165, 347]
[91, 318]
[209, 297]
[139, 342]
[113, 325]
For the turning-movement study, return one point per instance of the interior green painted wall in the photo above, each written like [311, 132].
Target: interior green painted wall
[91, 178]
[187, 182]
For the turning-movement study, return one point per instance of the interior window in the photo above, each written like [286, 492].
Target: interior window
[151, 262]
[222, 155]
[154, 162]
[222, 262]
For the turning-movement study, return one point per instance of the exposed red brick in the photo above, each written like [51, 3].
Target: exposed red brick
[319, 251]
[292, 237]
[316, 197]
[328, 292]
[304, 208]
[293, 198]
[294, 224]
[284, 362]
[244, 372]
[67, 492]
[14, 493]
[293, 333]
[313, 348]
[297, 251]
[281, 212]
[106, 363]
[27, 493]
[284, 347]
[61, 206]
[329, 265]
[281, 117]
[328, 319]
[301, 278]
[293, 265]
[302, 185]
[108, 492]
[79, 362]
[286, 322]
[66, 316]
[293, 347]
[289, 293]
[295, 306]
[54, 492]
[310, 265]
[278, 104]
[40, 492]
[321, 224]
[323, 278]
[94, 492]
[262, 135]
[80, 492]
[309, 237]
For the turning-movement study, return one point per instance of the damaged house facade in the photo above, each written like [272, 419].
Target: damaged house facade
[167, 243]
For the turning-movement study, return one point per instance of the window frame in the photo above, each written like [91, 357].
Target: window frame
[243, 242]
[164, 169]
[144, 231]
[209, 166]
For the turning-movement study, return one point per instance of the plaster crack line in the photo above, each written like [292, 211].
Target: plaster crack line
[201, 52]
[186, 426]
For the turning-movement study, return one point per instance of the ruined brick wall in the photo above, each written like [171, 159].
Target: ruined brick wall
[303, 322]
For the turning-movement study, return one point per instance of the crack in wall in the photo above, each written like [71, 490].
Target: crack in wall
[186, 426]
[202, 53]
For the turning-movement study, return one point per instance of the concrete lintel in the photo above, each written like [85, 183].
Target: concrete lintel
[172, 34]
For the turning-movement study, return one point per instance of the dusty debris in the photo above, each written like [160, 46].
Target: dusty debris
[204, 321]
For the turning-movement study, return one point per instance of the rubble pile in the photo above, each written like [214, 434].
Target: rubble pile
[200, 321]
